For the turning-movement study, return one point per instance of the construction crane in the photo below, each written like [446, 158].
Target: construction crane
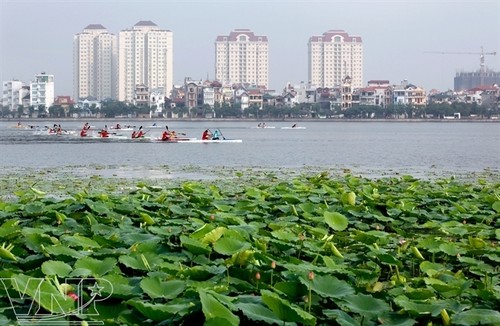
[482, 67]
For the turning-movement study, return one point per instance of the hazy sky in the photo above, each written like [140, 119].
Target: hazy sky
[37, 35]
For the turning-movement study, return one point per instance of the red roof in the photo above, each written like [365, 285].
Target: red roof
[329, 36]
[234, 35]
[66, 100]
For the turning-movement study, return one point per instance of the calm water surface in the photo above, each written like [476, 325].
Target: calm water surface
[365, 147]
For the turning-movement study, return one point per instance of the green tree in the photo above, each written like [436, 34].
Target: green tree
[20, 111]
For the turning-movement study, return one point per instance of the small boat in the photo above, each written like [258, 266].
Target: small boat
[174, 140]
[122, 128]
[25, 127]
[213, 141]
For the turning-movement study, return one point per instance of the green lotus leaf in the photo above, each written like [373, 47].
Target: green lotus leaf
[477, 243]
[329, 286]
[194, 246]
[161, 312]
[336, 221]
[122, 286]
[61, 250]
[452, 249]
[99, 207]
[290, 198]
[214, 235]
[258, 312]
[202, 273]
[396, 319]
[285, 311]
[215, 311]
[230, 246]
[285, 235]
[10, 207]
[293, 290]
[89, 266]
[10, 228]
[496, 206]
[156, 288]
[365, 305]
[199, 233]
[242, 258]
[128, 237]
[223, 207]
[476, 317]
[178, 210]
[342, 318]
[79, 241]
[142, 261]
[54, 267]
[418, 308]
[34, 209]
[389, 259]
[431, 268]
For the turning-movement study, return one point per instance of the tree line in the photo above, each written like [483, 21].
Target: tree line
[112, 109]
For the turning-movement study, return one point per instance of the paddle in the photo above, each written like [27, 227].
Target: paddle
[220, 132]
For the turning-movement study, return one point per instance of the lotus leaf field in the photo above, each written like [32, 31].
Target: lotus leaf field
[309, 249]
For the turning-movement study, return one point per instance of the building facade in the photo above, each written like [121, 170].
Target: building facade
[13, 93]
[242, 57]
[145, 57]
[334, 56]
[95, 64]
[42, 91]
[467, 80]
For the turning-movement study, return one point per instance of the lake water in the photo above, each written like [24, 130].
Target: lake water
[369, 148]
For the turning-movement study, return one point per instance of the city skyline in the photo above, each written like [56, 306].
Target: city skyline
[36, 35]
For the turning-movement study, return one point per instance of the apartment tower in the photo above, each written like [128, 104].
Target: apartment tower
[95, 64]
[145, 58]
[42, 91]
[242, 57]
[334, 56]
[13, 94]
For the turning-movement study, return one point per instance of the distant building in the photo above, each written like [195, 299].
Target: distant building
[95, 63]
[141, 97]
[468, 80]
[378, 92]
[332, 57]
[408, 94]
[13, 94]
[65, 102]
[42, 91]
[242, 57]
[145, 58]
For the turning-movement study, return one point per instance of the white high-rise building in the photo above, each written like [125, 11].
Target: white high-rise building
[12, 95]
[95, 64]
[145, 58]
[42, 91]
[242, 57]
[334, 56]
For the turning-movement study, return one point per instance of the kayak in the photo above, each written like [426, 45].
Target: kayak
[293, 127]
[213, 141]
[174, 140]
[122, 129]
[265, 127]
